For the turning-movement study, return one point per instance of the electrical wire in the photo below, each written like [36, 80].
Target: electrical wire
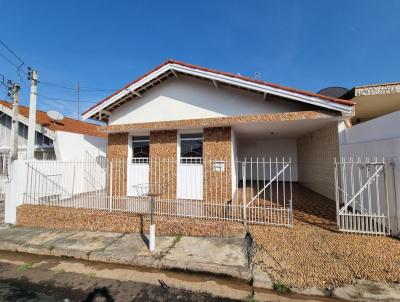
[9, 61]
[63, 100]
[12, 52]
[57, 85]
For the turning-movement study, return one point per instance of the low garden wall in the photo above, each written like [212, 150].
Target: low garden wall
[93, 220]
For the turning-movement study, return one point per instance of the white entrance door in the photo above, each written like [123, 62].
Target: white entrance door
[138, 167]
[190, 167]
[138, 177]
[190, 180]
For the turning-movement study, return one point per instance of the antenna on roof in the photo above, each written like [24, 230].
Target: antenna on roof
[55, 116]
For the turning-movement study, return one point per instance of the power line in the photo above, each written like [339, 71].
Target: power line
[9, 61]
[57, 85]
[71, 87]
[62, 100]
[10, 50]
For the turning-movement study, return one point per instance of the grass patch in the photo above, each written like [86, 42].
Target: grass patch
[25, 266]
[250, 298]
[91, 275]
[282, 288]
[61, 270]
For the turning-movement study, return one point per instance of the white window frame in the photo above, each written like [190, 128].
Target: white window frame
[179, 132]
[130, 149]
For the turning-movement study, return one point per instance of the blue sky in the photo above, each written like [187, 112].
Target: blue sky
[105, 44]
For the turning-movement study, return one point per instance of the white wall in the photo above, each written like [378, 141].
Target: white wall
[274, 148]
[73, 146]
[234, 156]
[42, 179]
[15, 187]
[381, 128]
[179, 99]
[380, 138]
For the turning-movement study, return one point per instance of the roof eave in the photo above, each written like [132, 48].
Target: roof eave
[321, 102]
[25, 121]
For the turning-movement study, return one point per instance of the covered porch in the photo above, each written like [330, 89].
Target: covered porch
[241, 171]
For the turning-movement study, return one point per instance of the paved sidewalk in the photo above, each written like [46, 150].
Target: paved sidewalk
[226, 256]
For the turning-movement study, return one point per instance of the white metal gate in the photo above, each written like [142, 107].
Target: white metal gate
[4, 165]
[362, 196]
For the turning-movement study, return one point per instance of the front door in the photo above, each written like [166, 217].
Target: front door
[190, 167]
[138, 167]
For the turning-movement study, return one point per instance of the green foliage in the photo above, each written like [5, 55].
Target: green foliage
[282, 288]
[24, 267]
[250, 298]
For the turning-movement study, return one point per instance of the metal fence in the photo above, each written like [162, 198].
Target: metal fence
[362, 195]
[4, 165]
[252, 190]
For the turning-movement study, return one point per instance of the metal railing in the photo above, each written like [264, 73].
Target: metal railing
[4, 166]
[362, 200]
[255, 190]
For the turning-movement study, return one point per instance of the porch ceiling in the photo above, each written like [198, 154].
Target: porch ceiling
[283, 129]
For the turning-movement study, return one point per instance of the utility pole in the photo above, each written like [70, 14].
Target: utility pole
[14, 124]
[78, 92]
[33, 76]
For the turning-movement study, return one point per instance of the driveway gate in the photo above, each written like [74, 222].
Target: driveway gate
[362, 198]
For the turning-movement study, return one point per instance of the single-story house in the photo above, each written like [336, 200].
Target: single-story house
[183, 116]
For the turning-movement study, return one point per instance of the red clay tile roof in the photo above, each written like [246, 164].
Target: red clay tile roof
[67, 124]
[303, 92]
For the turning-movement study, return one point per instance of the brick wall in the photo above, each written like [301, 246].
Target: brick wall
[118, 154]
[163, 158]
[117, 146]
[90, 220]
[217, 145]
[315, 155]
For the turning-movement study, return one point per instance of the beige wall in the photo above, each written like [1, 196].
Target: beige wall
[163, 156]
[92, 220]
[117, 153]
[217, 146]
[315, 154]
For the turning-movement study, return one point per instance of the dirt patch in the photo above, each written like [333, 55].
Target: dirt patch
[308, 255]
[43, 283]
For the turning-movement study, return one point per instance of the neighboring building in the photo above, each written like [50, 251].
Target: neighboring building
[189, 114]
[374, 136]
[63, 140]
[374, 100]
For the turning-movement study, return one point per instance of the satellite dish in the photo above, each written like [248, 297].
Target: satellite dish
[55, 116]
[334, 91]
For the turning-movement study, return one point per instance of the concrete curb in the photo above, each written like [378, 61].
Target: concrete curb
[124, 249]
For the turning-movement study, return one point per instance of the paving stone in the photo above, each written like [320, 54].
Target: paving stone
[132, 249]
[80, 244]
[315, 254]
[226, 256]
[43, 242]
[364, 290]
[261, 279]
[12, 238]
